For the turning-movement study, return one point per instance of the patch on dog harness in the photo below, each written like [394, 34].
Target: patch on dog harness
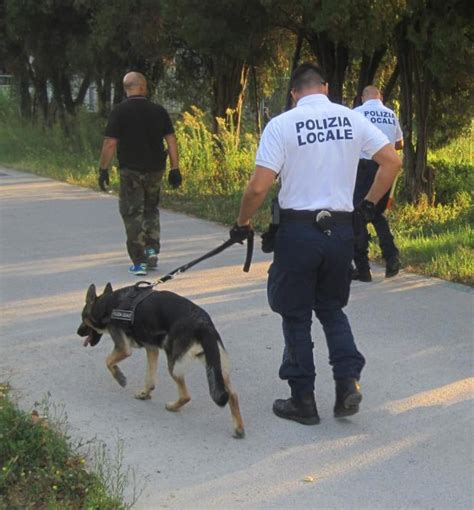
[126, 312]
[122, 315]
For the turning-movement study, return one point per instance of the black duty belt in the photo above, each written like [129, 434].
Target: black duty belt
[337, 217]
[325, 220]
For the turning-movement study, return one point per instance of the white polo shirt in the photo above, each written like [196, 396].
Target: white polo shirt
[314, 148]
[382, 117]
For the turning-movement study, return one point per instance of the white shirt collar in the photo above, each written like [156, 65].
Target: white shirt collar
[373, 102]
[313, 98]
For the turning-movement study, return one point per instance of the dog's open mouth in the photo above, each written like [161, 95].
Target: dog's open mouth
[92, 337]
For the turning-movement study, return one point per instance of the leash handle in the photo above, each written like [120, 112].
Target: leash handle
[248, 257]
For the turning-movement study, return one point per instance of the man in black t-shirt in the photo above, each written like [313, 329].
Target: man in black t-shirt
[136, 129]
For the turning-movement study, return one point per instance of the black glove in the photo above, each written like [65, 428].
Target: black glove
[174, 178]
[103, 178]
[365, 210]
[240, 233]
[268, 238]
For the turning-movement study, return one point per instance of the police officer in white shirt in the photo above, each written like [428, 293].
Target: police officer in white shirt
[314, 149]
[386, 120]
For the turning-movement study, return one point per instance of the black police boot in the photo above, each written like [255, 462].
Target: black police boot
[363, 275]
[392, 266]
[302, 410]
[348, 397]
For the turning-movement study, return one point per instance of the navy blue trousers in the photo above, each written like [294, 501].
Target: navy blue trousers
[365, 177]
[312, 272]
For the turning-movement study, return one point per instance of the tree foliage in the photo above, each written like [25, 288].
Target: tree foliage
[215, 54]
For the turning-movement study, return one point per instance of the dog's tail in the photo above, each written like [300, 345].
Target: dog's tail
[212, 346]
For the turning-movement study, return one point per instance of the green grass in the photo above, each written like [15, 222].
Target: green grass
[434, 240]
[40, 467]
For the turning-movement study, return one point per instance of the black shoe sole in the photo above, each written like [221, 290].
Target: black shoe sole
[361, 277]
[365, 280]
[350, 406]
[311, 420]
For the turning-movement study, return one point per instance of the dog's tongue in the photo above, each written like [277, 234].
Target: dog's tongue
[87, 341]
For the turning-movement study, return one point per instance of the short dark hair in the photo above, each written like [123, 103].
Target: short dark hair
[307, 75]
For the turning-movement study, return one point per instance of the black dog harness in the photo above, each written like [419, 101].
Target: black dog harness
[126, 312]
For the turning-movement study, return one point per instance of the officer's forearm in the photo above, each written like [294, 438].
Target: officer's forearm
[251, 201]
[389, 167]
[108, 151]
[173, 150]
[257, 189]
[383, 181]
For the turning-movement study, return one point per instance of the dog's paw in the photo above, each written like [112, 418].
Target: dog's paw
[239, 434]
[120, 378]
[143, 395]
[176, 406]
[172, 406]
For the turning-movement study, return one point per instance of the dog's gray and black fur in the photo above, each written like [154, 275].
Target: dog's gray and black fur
[167, 321]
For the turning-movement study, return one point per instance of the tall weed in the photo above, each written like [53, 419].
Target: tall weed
[213, 164]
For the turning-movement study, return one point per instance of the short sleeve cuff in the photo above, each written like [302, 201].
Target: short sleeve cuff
[266, 164]
[370, 153]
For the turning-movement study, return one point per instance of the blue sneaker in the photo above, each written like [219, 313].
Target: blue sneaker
[152, 258]
[139, 269]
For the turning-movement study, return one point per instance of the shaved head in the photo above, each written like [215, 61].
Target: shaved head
[134, 82]
[371, 92]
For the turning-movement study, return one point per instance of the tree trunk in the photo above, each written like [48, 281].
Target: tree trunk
[58, 102]
[229, 80]
[118, 89]
[294, 64]
[387, 91]
[23, 84]
[258, 117]
[368, 69]
[81, 93]
[333, 58]
[66, 94]
[41, 100]
[423, 80]
[406, 114]
[104, 87]
[415, 87]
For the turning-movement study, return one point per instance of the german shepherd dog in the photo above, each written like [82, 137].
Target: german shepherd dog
[163, 320]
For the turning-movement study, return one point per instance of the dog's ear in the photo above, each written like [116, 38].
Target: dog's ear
[91, 295]
[108, 289]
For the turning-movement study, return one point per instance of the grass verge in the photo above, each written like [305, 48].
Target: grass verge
[42, 469]
[434, 240]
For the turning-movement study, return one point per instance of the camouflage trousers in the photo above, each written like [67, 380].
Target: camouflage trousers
[139, 199]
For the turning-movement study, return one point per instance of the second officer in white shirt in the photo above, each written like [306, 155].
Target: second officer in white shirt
[384, 119]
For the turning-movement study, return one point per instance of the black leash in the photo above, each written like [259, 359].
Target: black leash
[143, 289]
[215, 251]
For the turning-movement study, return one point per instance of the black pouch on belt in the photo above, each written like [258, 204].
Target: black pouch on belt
[268, 237]
[325, 221]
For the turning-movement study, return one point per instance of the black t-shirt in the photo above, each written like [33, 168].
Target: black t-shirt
[140, 126]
